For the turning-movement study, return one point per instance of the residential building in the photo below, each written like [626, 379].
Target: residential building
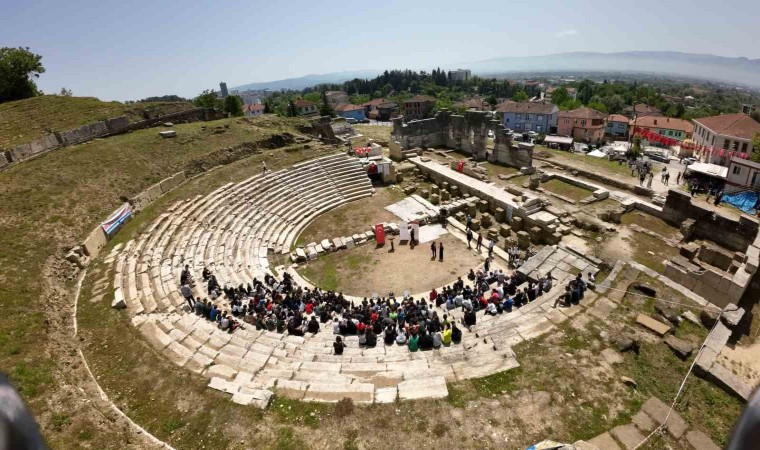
[223, 89]
[641, 110]
[380, 109]
[418, 107]
[582, 124]
[253, 110]
[743, 172]
[460, 75]
[349, 111]
[668, 127]
[306, 108]
[473, 104]
[336, 98]
[527, 116]
[617, 126]
[386, 111]
[731, 132]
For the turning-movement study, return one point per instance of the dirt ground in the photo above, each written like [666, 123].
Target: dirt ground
[355, 217]
[367, 269]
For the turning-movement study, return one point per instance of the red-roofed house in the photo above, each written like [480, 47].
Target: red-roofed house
[732, 132]
[349, 111]
[380, 109]
[336, 97]
[669, 127]
[583, 124]
[306, 108]
[253, 110]
[418, 107]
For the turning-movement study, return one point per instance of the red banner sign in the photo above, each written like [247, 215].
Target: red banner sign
[460, 166]
[379, 234]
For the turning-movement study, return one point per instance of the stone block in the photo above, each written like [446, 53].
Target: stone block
[472, 208]
[434, 189]
[681, 348]
[434, 387]
[445, 195]
[424, 193]
[386, 395]
[627, 435]
[334, 392]
[500, 215]
[654, 325]
[523, 239]
[300, 254]
[730, 382]
[689, 250]
[95, 241]
[601, 194]
[553, 238]
[349, 242]
[604, 442]
[732, 315]
[475, 225]
[505, 230]
[454, 191]
[643, 421]
[435, 199]
[517, 223]
[486, 220]
[658, 411]
[483, 206]
[536, 235]
[700, 441]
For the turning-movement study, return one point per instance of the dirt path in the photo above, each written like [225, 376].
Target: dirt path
[367, 269]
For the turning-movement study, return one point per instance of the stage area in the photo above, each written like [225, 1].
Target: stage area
[367, 269]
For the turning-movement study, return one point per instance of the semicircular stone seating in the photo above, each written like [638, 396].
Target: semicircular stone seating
[232, 230]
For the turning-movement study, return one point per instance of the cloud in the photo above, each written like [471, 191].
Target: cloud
[566, 33]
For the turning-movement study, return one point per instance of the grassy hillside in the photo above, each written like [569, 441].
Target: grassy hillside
[50, 204]
[23, 121]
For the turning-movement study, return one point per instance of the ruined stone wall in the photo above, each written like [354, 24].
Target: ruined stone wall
[733, 234]
[467, 133]
[96, 130]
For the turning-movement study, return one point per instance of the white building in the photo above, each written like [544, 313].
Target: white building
[743, 172]
[726, 133]
[461, 74]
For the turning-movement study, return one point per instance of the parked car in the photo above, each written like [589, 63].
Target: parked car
[688, 161]
[365, 120]
[659, 157]
[351, 120]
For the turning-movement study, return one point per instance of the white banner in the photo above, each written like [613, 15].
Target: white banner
[404, 235]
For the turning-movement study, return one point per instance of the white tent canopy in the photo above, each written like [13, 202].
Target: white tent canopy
[712, 170]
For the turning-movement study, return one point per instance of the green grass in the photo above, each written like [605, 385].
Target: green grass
[287, 440]
[497, 383]
[559, 187]
[26, 120]
[608, 167]
[649, 222]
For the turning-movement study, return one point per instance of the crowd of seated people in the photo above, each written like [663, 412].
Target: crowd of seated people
[278, 305]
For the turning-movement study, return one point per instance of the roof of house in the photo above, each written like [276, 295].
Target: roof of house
[249, 107]
[420, 99]
[641, 109]
[668, 123]
[374, 102]
[348, 107]
[617, 118]
[473, 103]
[583, 113]
[387, 105]
[526, 107]
[300, 103]
[736, 125]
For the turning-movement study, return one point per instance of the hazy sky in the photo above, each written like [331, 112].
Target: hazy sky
[121, 50]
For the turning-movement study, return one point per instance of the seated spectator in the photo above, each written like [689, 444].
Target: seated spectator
[491, 309]
[446, 336]
[390, 335]
[313, 326]
[338, 345]
[437, 340]
[426, 341]
[591, 281]
[401, 337]
[414, 343]
[470, 318]
[370, 338]
[456, 334]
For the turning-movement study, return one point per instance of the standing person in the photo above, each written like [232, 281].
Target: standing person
[491, 244]
[487, 265]
[667, 178]
[480, 242]
[641, 178]
[469, 221]
[432, 249]
[411, 237]
[469, 238]
[678, 178]
[718, 196]
[393, 249]
[187, 293]
[264, 167]
[649, 182]
[440, 251]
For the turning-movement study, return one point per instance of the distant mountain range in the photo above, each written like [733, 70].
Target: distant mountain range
[709, 67]
[742, 71]
[309, 80]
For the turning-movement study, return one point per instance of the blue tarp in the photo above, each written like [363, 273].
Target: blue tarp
[745, 201]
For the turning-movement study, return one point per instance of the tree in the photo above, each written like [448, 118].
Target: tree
[598, 106]
[233, 105]
[570, 104]
[18, 69]
[755, 155]
[292, 109]
[560, 96]
[585, 91]
[268, 109]
[520, 96]
[614, 103]
[208, 99]
[66, 92]
[636, 147]
[325, 109]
